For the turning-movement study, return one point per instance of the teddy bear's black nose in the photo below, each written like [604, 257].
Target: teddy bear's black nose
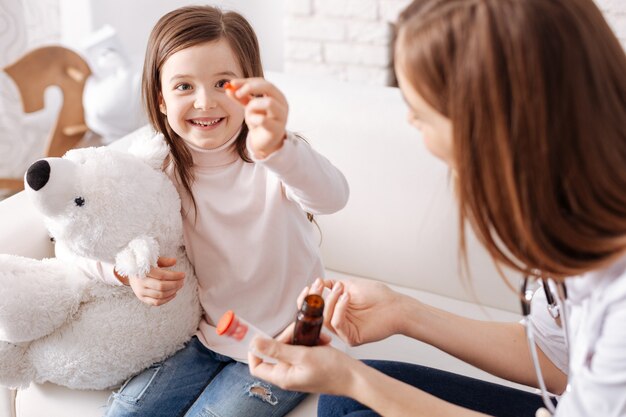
[38, 174]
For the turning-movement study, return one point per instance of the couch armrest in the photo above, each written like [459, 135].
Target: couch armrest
[23, 229]
[7, 402]
[23, 233]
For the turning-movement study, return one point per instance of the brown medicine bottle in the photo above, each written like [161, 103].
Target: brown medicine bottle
[309, 321]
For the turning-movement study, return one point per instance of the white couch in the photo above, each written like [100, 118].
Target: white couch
[400, 227]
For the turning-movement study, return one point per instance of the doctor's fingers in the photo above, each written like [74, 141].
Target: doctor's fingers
[301, 296]
[319, 286]
[330, 303]
[339, 320]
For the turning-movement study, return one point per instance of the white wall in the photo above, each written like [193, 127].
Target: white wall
[134, 19]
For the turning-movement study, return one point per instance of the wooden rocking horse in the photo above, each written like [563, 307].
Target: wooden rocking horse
[36, 71]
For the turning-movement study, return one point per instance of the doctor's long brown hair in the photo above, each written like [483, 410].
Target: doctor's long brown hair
[536, 92]
[180, 29]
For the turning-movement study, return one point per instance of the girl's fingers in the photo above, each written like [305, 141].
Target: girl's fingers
[235, 83]
[267, 106]
[256, 87]
[254, 120]
[159, 295]
[165, 275]
[230, 92]
[159, 281]
[276, 128]
[164, 262]
[157, 301]
[273, 130]
[152, 287]
[164, 300]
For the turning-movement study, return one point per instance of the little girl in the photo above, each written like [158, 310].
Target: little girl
[248, 189]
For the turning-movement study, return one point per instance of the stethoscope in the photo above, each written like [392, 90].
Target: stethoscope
[556, 296]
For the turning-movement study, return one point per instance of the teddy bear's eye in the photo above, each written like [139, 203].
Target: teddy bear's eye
[79, 201]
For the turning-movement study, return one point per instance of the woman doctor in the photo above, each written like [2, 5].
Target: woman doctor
[526, 102]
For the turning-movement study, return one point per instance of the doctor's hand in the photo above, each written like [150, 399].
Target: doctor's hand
[159, 286]
[362, 311]
[266, 112]
[301, 368]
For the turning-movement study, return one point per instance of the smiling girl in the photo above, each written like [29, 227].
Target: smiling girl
[248, 188]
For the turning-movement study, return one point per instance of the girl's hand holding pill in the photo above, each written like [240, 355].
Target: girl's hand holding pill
[266, 112]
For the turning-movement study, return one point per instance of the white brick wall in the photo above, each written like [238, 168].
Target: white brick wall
[351, 39]
[347, 39]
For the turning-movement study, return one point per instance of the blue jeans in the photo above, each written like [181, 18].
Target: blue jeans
[197, 382]
[481, 396]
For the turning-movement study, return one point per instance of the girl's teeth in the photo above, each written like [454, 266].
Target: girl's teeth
[197, 122]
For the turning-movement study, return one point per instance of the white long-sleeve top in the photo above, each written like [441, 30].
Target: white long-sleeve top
[251, 244]
[596, 359]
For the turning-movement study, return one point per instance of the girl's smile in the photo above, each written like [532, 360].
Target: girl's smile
[205, 123]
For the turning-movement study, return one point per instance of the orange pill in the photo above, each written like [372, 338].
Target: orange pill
[243, 100]
[228, 86]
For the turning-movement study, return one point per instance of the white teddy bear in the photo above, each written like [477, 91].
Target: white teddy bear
[58, 324]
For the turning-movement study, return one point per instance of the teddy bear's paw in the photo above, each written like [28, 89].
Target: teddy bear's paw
[138, 257]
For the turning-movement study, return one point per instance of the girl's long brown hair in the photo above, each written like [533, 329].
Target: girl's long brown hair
[536, 93]
[180, 29]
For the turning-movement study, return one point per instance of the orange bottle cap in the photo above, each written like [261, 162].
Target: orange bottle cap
[224, 323]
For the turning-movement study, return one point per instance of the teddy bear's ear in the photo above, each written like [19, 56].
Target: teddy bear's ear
[152, 149]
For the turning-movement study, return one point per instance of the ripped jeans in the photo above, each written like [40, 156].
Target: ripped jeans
[197, 382]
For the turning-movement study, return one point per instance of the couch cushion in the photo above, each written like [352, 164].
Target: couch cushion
[55, 401]
[51, 400]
